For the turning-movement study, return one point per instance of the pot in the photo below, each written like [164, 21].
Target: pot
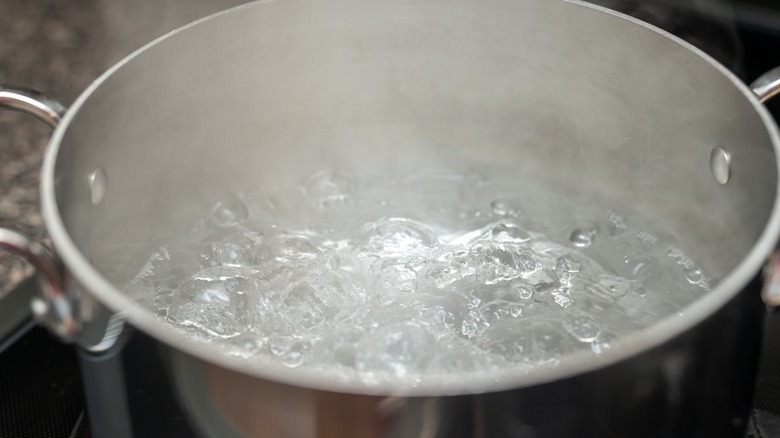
[274, 91]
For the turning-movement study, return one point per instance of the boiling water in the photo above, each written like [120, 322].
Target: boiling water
[382, 279]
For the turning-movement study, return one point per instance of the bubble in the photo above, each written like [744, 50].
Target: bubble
[442, 317]
[290, 351]
[330, 189]
[439, 275]
[509, 232]
[303, 308]
[398, 349]
[603, 342]
[526, 261]
[582, 237]
[582, 327]
[549, 340]
[235, 250]
[566, 267]
[393, 277]
[693, 275]
[230, 210]
[398, 236]
[217, 301]
[493, 263]
[286, 248]
[498, 310]
[611, 287]
[524, 292]
[245, 345]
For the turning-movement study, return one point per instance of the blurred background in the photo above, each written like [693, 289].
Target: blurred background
[59, 47]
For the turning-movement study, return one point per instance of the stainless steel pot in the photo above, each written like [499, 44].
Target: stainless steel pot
[276, 90]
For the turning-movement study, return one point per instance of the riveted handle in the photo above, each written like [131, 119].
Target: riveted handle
[54, 307]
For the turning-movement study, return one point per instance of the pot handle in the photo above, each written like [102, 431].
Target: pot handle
[54, 307]
[766, 87]
[32, 102]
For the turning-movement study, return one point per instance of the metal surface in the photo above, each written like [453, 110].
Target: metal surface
[767, 85]
[60, 306]
[33, 102]
[54, 307]
[383, 89]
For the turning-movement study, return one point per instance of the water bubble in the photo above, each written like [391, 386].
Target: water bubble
[693, 275]
[524, 292]
[509, 232]
[235, 250]
[610, 286]
[582, 327]
[526, 261]
[244, 346]
[582, 237]
[286, 248]
[398, 236]
[303, 308]
[330, 188]
[495, 311]
[393, 277]
[217, 301]
[603, 342]
[230, 210]
[439, 275]
[566, 267]
[290, 351]
[493, 263]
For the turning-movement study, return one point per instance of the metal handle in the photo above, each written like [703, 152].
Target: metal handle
[32, 102]
[766, 87]
[54, 308]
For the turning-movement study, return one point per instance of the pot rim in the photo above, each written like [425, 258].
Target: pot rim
[432, 384]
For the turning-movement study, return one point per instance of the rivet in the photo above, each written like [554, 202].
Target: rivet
[720, 164]
[98, 182]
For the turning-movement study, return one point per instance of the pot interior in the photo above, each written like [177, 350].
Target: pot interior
[524, 91]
